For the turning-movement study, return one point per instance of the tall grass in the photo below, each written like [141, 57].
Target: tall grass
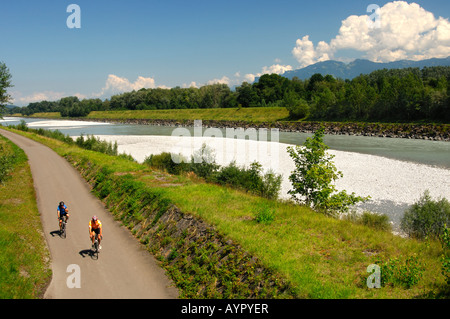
[24, 258]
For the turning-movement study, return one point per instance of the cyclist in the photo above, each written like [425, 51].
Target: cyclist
[95, 227]
[62, 211]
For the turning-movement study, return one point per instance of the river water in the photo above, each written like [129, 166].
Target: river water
[394, 172]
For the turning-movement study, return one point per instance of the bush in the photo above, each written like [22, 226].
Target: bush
[95, 144]
[446, 254]
[426, 218]
[7, 159]
[297, 107]
[397, 273]
[203, 163]
[377, 221]
[47, 133]
[164, 161]
[22, 126]
[250, 179]
[313, 177]
[369, 219]
[264, 214]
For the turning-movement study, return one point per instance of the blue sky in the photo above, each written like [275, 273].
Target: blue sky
[122, 45]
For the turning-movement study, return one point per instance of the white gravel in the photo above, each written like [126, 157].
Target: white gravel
[392, 184]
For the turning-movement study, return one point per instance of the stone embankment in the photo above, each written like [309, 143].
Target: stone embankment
[436, 132]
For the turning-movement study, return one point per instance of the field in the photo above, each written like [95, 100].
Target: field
[254, 115]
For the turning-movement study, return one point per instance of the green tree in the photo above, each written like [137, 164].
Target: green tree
[246, 95]
[5, 83]
[313, 177]
[426, 218]
[298, 108]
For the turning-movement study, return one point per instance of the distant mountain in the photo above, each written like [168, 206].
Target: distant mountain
[353, 69]
[9, 106]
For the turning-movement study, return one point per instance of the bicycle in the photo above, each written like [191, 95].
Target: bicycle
[95, 248]
[63, 231]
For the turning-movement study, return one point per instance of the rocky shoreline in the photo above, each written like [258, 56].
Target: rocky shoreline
[434, 132]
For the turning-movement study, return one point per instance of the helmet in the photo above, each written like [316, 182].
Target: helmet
[61, 203]
[94, 218]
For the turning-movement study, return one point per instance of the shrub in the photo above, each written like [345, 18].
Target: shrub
[377, 221]
[250, 179]
[7, 159]
[95, 144]
[203, 163]
[313, 177]
[426, 218]
[164, 161]
[395, 272]
[297, 107]
[22, 126]
[369, 219]
[446, 254]
[264, 214]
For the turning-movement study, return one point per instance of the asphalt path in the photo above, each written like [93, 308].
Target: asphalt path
[123, 270]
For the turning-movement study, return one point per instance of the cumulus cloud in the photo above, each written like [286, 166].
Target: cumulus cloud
[115, 84]
[396, 31]
[223, 80]
[20, 99]
[275, 68]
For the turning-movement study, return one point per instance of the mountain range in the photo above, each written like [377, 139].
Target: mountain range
[359, 66]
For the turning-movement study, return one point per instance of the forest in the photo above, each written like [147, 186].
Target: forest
[404, 95]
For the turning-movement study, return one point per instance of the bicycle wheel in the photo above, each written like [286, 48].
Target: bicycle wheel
[63, 229]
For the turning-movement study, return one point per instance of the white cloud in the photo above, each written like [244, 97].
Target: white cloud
[19, 99]
[403, 31]
[223, 80]
[115, 84]
[275, 68]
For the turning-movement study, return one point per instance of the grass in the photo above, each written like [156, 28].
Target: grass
[24, 258]
[322, 257]
[254, 115]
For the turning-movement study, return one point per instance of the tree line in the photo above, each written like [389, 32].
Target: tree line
[410, 94]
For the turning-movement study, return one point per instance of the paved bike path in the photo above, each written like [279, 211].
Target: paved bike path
[123, 270]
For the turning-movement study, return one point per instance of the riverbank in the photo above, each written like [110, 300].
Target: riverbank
[274, 117]
[433, 132]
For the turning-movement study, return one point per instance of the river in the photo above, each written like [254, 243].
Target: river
[394, 172]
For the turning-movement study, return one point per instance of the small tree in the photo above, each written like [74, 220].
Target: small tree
[313, 177]
[5, 83]
[426, 218]
[296, 106]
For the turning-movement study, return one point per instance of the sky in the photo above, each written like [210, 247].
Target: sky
[119, 46]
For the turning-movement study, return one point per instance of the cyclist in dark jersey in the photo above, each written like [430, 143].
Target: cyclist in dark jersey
[62, 211]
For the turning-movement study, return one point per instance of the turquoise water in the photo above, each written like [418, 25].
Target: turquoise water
[435, 153]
